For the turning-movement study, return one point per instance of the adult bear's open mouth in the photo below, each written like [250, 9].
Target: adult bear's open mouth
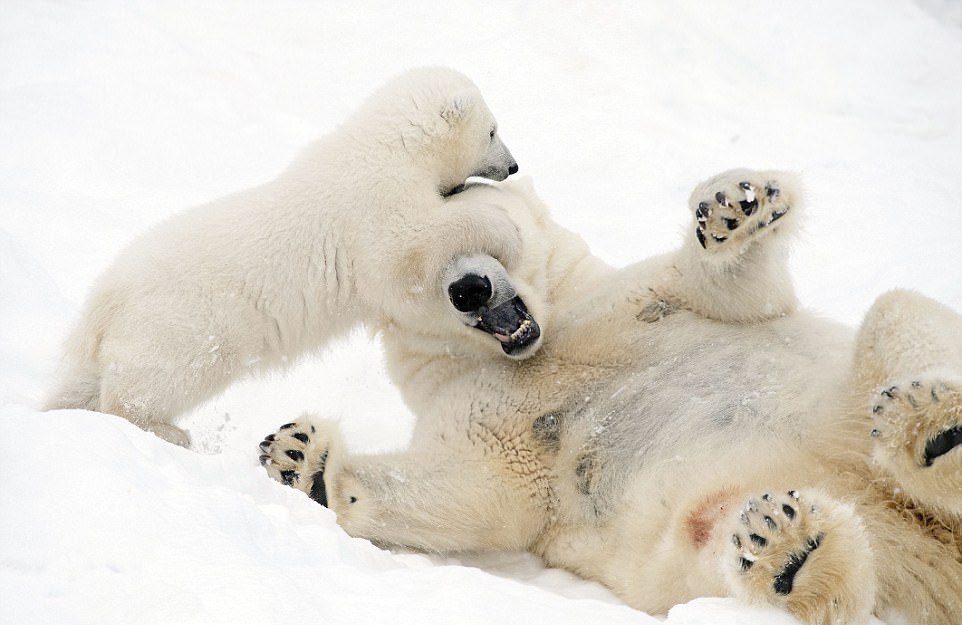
[480, 291]
[511, 324]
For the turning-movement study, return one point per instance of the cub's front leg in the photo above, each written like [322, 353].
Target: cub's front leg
[733, 266]
[464, 493]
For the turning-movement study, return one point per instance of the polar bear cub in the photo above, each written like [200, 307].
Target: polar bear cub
[253, 280]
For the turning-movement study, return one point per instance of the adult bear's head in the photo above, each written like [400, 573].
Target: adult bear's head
[437, 117]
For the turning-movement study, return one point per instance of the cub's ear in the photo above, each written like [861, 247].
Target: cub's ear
[456, 108]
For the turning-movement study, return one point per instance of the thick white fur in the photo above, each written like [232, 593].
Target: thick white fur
[251, 281]
[667, 398]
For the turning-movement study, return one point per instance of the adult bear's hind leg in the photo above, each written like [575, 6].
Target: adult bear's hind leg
[909, 360]
[805, 552]
[918, 432]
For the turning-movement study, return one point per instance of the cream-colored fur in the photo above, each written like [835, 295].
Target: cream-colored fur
[346, 234]
[683, 430]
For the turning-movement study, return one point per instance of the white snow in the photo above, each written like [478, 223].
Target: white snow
[114, 114]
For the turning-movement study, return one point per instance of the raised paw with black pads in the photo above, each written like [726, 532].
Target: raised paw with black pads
[733, 208]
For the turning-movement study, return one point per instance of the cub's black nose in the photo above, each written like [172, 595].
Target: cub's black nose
[512, 169]
[470, 292]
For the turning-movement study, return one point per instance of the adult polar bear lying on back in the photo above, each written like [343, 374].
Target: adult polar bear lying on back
[683, 429]
[255, 279]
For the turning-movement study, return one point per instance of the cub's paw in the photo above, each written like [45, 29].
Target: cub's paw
[297, 455]
[918, 432]
[739, 206]
[806, 554]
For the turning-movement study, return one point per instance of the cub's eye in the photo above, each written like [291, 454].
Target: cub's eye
[492, 133]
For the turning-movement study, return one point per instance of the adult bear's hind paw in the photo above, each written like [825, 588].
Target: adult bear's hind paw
[917, 426]
[806, 553]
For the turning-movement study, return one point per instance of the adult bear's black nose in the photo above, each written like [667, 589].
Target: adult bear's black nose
[469, 293]
[512, 169]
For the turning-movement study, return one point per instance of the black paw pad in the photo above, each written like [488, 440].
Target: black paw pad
[785, 580]
[703, 212]
[318, 489]
[748, 207]
[288, 477]
[295, 455]
[776, 215]
[288, 426]
[750, 203]
[701, 237]
[942, 443]
[301, 436]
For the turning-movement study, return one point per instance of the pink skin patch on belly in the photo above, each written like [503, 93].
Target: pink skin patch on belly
[701, 521]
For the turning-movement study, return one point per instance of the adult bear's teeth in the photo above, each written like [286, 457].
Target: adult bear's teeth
[522, 329]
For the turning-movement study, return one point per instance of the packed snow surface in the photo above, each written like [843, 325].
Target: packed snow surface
[115, 114]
